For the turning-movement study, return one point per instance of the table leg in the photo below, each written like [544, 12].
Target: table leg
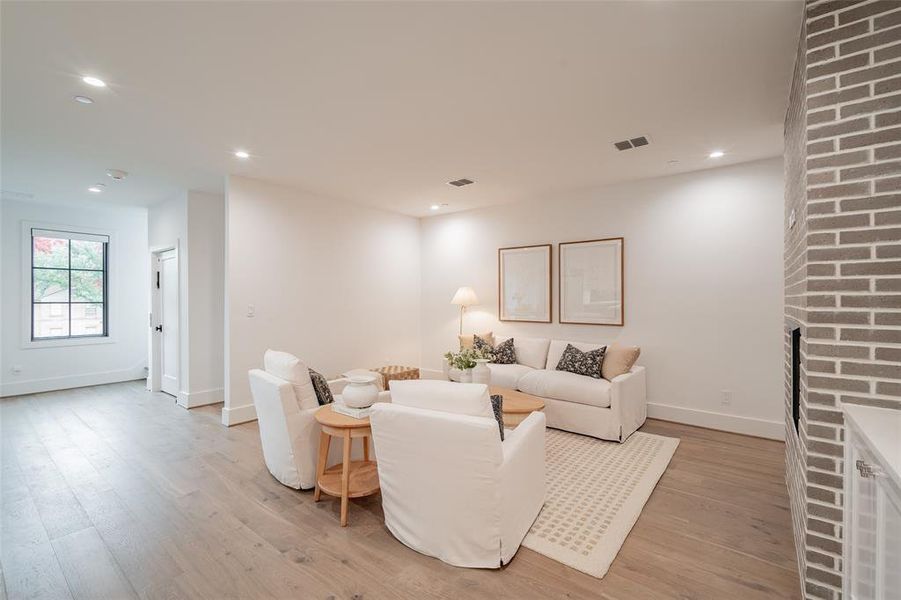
[366, 448]
[324, 440]
[345, 478]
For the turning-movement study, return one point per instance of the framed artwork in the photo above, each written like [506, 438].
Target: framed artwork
[591, 282]
[524, 284]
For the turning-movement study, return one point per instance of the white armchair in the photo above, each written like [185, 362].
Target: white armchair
[289, 433]
[450, 488]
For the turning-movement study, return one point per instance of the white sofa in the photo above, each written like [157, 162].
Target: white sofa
[289, 433]
[450, 487]
[610, 410]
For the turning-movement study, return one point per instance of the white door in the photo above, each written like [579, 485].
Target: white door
[167, 325]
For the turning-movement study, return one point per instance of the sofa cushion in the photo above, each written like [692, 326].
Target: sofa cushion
[619, 360]
[582, 363]
[447, 396]
[292, 369]
[563, 385]
[507, 375]
[531, 352]
[558, 346]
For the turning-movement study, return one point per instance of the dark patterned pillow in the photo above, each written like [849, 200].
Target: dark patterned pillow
[480, 344]
[503, 354]
[320, 385]
[497, 405]
[582, 363]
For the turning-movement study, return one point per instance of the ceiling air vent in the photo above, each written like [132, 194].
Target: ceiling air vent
[633, 143]
[460, 182]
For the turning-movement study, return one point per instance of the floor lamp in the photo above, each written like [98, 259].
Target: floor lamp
[463, 298]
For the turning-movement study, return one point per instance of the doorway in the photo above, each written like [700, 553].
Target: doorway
[164, 345]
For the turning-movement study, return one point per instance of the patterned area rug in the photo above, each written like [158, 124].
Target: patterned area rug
[595, 492]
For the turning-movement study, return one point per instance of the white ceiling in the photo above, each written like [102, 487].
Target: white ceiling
[382, 103]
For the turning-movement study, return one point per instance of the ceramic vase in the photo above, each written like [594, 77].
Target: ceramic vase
[361, 392]
[481, 373]
[466, 376]
[453, 373]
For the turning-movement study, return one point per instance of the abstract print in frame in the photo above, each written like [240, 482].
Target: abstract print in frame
[591, 282]
[524, 283]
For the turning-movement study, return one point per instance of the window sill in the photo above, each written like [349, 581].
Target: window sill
[62, 343]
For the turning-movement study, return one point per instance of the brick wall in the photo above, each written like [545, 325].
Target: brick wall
[843, 255]
[795, 257]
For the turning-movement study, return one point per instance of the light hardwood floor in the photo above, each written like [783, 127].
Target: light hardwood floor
[114, 492]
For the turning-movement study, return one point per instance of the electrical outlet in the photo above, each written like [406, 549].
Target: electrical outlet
[727, 397]
[17, 370]
[251, 311]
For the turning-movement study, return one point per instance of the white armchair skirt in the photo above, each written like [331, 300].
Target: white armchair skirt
[451, 489]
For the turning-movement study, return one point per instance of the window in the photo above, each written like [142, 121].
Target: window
[69, 276]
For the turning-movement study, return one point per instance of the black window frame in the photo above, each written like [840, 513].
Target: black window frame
[105, 296]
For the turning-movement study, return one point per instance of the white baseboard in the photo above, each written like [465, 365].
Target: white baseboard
[201, 398]
[774, 430]
[238, 414]
[52, 384]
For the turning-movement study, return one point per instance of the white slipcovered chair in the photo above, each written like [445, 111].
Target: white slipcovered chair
[285, 402]
[450, 488]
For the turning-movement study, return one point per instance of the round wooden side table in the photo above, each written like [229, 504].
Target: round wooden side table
[349, 479]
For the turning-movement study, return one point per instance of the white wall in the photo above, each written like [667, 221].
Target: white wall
[49, 368]
[703, 277]
[194, 222]
[332, 282]
[206, 298]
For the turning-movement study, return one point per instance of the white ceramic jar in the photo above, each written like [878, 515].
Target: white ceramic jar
[361, 392]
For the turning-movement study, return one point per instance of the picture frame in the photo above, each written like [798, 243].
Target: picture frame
[592, 282]
[524, 283]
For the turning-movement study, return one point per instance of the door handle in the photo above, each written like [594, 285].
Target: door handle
[158, 328]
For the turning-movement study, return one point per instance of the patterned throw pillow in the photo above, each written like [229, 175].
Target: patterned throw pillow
[497, 405]
[320, 385]
[504, 354]
[582, 363]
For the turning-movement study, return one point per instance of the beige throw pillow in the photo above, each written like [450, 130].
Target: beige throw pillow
[618, 360]
[466, 340]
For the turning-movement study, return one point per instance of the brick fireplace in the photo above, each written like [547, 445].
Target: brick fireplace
[842, 257]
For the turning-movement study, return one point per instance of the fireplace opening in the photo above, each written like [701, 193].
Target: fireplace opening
[796, 376]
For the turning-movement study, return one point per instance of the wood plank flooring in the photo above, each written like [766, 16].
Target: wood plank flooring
[114, 492]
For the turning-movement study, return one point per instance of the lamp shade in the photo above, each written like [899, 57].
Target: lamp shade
[465, 297]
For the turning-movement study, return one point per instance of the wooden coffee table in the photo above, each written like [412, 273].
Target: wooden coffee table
[517, 405]
[350, 479]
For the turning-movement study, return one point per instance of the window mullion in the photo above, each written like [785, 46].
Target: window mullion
[69, 298]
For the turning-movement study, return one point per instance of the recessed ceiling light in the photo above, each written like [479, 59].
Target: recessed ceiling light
[242, 154]
[94, 81]
[435, 207]
[84, 100]
[716, 154]
[96, 188]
